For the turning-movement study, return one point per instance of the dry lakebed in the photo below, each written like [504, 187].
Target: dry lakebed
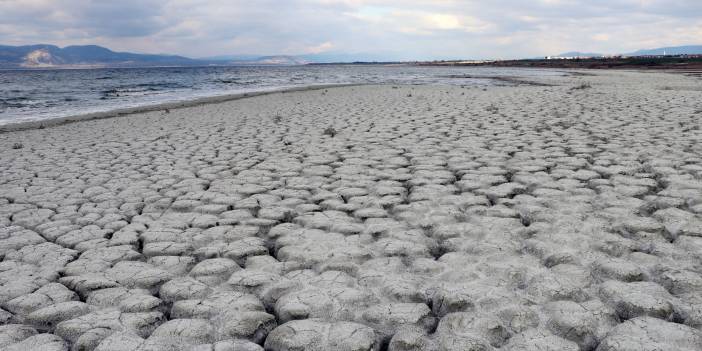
[564, 215]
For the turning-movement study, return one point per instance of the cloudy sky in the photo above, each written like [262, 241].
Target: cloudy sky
[398, 29]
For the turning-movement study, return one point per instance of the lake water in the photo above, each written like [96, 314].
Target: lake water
[42, 94]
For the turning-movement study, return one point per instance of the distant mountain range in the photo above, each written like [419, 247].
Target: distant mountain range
[90, 56]
[673, 50]
[279, 60]
[43, 56]
[303, 59]
[51, 56]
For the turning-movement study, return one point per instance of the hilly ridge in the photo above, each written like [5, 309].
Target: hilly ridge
[42, 55]
[674, 50]
[671, 50]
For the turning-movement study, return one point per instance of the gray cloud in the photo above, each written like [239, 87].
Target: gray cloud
[410, 29]
[128, 18]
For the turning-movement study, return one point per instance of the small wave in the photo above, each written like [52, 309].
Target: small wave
[237, 81]
[15, 102]
[229, 81]
[139, 89]
[161, 85]
[106, 94]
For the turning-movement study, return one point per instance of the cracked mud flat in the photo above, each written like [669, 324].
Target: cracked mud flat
[434, 218]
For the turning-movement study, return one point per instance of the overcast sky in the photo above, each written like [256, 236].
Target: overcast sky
[408, 29]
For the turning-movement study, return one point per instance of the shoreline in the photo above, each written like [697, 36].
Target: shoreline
[198, 101]
[119, 112]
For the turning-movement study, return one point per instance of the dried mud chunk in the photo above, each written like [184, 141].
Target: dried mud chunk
[618, 269]
[637, 299]
[391, 316]
[234, 345]
[73, 329]
[251, 280]
[399, 247]
[314, 302]
[251, 325]
[518, 318]
[471, 331]
[166, 248]
[651, 334]
[192, 331]
[563, 281]
[584, 323]
[112, 254]
[161, 234]
[216, 304]
[408, 339]
[40, 342]
[32, 217]
[134, 274]
[126, 300]
[633, 224]
[680, 281]
[678, 222]
[121, 341]
[85, 283]
[539, 340]
[310, 247]
[47, 295]
[91, 339]
[14, 238]
[183, 288]
[142, 323]
[504, 190]
[5, 317]
[175, 265]
[469, 296]
[318, 335]
[47, 317]
[76, 237]
[244, 248]
[13, 333]
[214, 271]
[46, 254]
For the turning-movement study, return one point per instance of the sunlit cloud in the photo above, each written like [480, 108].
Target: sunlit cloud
[601, 37]
[323, 47]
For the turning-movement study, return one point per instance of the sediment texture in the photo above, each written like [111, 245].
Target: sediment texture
[364, 218]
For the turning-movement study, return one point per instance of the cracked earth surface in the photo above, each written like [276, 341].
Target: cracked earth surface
[364, 218]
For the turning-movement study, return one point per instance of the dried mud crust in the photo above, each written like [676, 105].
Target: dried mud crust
[432, 218]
